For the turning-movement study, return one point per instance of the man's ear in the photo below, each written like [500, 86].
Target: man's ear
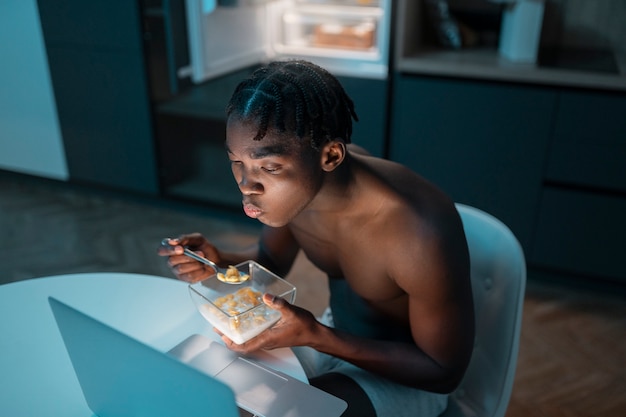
[333, 154]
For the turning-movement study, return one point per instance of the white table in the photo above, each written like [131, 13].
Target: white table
[36, 375]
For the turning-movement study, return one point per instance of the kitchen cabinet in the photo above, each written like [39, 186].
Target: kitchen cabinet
[581, 233]
[483, 143]
[581, 224]
[589, 144]
[547, 161]
[98, 75]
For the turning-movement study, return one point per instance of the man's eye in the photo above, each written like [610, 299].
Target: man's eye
[271, 169]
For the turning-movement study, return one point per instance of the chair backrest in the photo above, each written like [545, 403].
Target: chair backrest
[498, 274]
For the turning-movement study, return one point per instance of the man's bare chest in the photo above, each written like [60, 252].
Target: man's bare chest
[323, 250]
[360, 262]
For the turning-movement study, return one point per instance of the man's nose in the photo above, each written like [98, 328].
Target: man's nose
[248, 184]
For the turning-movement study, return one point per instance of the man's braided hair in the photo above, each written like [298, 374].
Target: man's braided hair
[296, 98]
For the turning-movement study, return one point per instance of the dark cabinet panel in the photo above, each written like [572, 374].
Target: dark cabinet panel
[589, 145]
[98, 75]
[109, 24]
[105, 120]
[482, 143]
[370, 101]
[194, 164]
[190, 132]
[582, 233]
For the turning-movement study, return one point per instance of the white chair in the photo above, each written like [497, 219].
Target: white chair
[498, 273]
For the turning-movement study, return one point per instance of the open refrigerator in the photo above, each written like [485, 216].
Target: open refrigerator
[349, 37]
[199, 50]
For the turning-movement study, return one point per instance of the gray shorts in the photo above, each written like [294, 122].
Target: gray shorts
[387, 397]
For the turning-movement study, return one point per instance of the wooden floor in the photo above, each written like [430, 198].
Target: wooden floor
[572, 360]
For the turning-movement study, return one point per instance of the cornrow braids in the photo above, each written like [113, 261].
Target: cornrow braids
[294, 97]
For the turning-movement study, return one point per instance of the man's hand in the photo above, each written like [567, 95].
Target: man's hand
[185, 268]
[296, 327]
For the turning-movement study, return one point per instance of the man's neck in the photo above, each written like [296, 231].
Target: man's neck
[338, 191]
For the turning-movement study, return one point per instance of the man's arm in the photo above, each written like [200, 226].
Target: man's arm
[441, 321]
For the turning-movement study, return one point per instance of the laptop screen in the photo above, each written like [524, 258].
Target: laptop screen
[120, 376]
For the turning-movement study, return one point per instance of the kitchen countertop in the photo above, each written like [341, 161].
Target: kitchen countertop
[486, 64]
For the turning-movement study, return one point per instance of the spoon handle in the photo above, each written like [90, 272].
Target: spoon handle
[202, 259]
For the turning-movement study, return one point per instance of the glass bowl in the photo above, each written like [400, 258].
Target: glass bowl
[237, 310]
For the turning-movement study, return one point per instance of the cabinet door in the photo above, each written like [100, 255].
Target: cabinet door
[102, 102]
[589, 145]
[99, 81]
[581, 233]
[110, 24]
[482, 143]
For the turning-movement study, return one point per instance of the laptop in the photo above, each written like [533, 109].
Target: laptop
[120, 376]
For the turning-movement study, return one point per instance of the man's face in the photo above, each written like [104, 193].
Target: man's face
[277, 177]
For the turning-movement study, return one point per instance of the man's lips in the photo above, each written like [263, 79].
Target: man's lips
[251, 210]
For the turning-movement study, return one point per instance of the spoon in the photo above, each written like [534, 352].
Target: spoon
[230, 275]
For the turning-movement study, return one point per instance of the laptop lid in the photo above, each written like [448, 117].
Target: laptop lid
[120, 376]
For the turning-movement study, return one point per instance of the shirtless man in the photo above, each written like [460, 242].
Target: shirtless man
[391, 243]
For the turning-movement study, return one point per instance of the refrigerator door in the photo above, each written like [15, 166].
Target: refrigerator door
[225, 39]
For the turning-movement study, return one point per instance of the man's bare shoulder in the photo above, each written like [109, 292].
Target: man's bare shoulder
[418, 220]
[410, 196]
[396, 176]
